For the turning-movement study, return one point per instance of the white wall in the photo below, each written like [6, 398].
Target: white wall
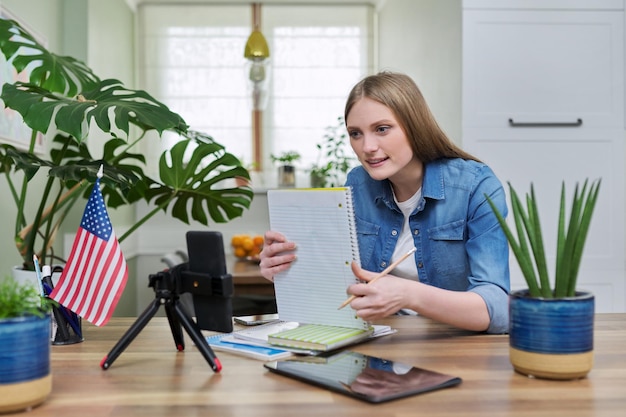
[422, 38]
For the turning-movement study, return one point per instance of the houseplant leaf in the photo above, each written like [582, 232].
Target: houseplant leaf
[123, 174]
[520, 249]
[58, 74]
[109, 104]
[193, 185]
[570, 242]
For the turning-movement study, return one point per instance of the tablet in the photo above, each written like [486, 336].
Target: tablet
[364, 377]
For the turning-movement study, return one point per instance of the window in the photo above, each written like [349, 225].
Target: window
[192, 60]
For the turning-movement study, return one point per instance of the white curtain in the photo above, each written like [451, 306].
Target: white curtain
[191, 58]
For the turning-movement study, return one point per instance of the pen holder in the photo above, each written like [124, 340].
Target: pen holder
[66, 327]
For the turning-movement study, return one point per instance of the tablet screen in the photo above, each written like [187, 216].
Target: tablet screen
[367, 378]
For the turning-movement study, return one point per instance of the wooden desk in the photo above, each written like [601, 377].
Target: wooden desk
[247, 278]
[151, 378]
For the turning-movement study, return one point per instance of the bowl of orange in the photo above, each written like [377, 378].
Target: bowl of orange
[247, 247]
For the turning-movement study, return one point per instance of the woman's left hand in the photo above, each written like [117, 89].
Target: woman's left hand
[379, 299]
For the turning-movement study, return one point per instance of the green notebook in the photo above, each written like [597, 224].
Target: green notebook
[319, 337]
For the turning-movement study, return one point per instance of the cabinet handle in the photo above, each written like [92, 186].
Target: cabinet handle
[577, 123]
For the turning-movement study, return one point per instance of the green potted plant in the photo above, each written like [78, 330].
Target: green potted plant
[25, 379]
[286, 167]
[551, 326]
[332, 162]
[63, 95]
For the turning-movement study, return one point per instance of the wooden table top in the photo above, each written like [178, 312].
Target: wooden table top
[246, 272]
[150, 378]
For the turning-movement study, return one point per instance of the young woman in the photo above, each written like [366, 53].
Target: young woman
[416, 189]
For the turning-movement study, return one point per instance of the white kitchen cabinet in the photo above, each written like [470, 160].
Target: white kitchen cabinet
[543, 102]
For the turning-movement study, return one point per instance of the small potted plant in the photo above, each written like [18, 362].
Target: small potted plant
[551, 327]
[25, 379]
[332, 163]
[286, 168]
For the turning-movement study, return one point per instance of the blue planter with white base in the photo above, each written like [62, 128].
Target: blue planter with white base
[25, 379]
[551, 338]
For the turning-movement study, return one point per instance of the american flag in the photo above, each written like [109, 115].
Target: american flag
[95, 275]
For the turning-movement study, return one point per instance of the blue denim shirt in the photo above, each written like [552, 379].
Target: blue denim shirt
[460, 245]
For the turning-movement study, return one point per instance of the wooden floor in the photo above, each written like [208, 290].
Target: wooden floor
[151, 378]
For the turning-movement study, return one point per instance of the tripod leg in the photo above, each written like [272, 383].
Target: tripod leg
[196, 335]
[177, 331]
[131, 333]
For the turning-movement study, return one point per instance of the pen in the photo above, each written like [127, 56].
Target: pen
[38, 272]
[381, 274]
[57, 312]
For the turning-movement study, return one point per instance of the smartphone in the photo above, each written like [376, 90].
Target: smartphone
[256, 319]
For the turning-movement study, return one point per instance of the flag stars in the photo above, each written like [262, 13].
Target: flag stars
[95, 219]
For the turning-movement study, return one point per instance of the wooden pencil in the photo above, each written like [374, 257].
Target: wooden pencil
[386, 271]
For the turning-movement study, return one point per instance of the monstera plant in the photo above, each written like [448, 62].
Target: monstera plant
[61, 99]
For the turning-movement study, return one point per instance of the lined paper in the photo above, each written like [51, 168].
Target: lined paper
[321, 223]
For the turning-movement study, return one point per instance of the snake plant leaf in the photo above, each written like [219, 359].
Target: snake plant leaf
[534, 228]
[58, 74]
[192, 184]
[523, 255]
[570, 241]
[589, 203]
[109, 104]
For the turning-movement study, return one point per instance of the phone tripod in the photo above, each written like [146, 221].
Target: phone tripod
[166, 294]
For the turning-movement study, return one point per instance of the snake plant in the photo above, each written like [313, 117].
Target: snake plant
[64, 98]
[528, 246]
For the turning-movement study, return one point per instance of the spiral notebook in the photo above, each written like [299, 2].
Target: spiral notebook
[321, 222]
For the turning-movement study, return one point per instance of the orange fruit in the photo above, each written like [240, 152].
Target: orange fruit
[247, 244]
[236, 240]
[258, 240]
[240, 252]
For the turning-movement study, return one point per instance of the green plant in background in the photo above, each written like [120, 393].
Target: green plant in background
[333, 163]
[571, 236]
[62, 94]
[285, 158]
[18, 300]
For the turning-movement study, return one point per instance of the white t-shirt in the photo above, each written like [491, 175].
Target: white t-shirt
[407, 268]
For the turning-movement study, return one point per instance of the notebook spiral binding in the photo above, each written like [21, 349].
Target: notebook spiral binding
[354, 242]
[353, 234]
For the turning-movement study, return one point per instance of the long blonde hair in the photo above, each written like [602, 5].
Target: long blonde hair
[401, 95]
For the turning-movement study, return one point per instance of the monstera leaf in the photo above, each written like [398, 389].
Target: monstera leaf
[122, 173]
[58, 74]
[194, 184]
[12, 158]
[109, 104]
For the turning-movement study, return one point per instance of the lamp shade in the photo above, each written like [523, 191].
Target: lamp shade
[256, 46]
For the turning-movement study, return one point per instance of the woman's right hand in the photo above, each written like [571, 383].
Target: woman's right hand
[277, 254]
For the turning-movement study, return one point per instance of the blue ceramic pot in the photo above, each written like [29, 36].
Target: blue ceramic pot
[551, 338]
[25, 379]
